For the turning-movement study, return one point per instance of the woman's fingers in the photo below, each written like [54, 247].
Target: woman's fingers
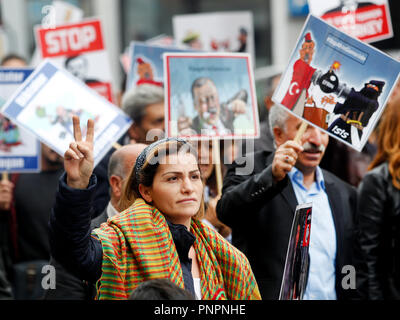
[77, 128]
[90, 131]
[85, 150]
[75, 148]
[71, 154]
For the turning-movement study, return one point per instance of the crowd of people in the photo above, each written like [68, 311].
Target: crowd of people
[152, 221]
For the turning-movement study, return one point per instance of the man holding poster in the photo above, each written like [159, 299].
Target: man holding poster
[259, 208]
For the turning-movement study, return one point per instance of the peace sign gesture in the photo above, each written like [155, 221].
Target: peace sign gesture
[78, 159]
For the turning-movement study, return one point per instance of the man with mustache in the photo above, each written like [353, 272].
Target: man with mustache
[260, 208]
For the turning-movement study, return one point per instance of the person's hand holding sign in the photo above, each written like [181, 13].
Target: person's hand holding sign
[287, 153]
[285, 158]
[78, 159]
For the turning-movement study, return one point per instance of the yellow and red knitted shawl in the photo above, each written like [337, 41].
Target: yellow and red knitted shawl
[138, 246]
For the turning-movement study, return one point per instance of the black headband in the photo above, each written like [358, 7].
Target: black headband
[141, 159]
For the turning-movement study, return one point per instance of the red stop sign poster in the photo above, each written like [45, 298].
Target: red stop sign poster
[79, 48]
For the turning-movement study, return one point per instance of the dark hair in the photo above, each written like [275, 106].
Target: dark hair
[199, 82]
[160, 289]
[146, 167]
[12, 56]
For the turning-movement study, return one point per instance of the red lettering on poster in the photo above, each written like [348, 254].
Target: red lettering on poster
[307, 230]
[102, 88]
[70, 40]
[366, 23]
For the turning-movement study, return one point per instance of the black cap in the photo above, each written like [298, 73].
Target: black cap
[377, 83]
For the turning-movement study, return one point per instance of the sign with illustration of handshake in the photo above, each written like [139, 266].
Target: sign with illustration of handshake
[337, 83]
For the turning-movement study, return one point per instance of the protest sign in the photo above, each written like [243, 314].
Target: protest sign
[366, 20]
[147, 64]
[58, 13]
[79, 48]
[210, 96]
[162, 40]
[19, 149]
[65, 12]
[336, 82]
[294, 280]
[45, 103]
[219, 31]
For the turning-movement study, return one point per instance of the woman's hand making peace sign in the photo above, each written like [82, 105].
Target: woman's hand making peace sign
[78, 159]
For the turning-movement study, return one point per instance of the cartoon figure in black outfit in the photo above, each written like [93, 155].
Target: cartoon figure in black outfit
[356, 110]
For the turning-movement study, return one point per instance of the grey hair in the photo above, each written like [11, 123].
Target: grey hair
[277, 117]
[116, 165]
[135, 101]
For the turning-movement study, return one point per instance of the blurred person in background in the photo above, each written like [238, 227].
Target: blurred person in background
[144, 104]
[211, 192]
[379, 212]
[13, 61]
[30, 198]
[266, 140]
[6, 187]
[160, 289]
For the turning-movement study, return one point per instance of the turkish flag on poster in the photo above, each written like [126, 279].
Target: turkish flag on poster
[79, 48]
[366, 20]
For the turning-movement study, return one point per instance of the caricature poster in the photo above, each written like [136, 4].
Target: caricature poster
[215, 32]
[147, 64]
[337, 82]
[45, 103]
[210, 96]
[79, 48]
[19, 149]
[369, 20]
[294, 280]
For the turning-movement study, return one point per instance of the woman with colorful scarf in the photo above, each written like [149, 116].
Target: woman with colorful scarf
[158, 235]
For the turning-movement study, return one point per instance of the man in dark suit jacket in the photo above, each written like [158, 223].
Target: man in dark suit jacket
[69, 286]
[260, 206]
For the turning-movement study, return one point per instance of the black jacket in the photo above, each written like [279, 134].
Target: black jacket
[379, 233]
[260, 213]
[68, 285]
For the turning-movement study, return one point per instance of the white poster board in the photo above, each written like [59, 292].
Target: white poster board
[45, 102]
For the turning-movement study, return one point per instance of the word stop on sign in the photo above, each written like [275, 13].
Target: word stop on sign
[71, 39]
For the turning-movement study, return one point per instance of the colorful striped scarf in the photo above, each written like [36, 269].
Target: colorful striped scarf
[138, 246]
